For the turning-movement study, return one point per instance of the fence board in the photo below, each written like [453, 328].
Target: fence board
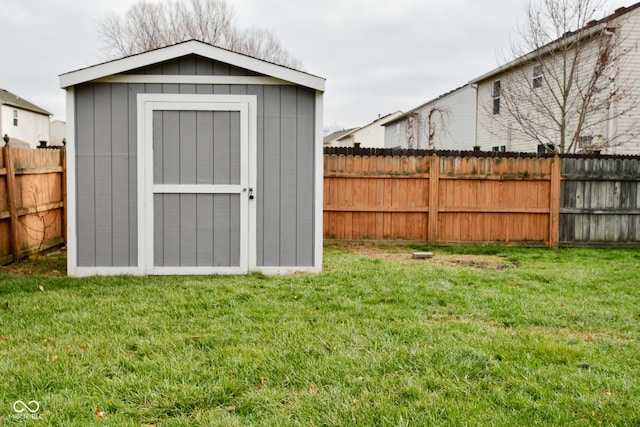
[600, 203]
[32, 201]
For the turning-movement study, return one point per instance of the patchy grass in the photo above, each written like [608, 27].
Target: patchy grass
[551, 337]
[49, 263]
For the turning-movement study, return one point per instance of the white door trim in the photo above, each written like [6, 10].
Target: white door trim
[247, 106]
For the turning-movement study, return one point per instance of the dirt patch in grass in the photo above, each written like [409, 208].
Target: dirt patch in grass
[50, 263]
[401, 254]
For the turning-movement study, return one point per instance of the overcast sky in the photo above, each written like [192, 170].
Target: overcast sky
[378, 56]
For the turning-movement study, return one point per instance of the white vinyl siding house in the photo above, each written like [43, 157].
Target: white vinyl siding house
[58, 132]
[454, 121]
[629, 72]
[367, 136]
[22, 121]
[497, 128]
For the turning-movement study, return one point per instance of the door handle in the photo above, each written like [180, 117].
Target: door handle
[251, 194]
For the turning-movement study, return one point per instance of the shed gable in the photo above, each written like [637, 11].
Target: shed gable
[193, 65]
[171, 53]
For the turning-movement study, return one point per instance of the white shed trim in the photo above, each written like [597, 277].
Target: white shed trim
[72, 242]
[191, 47]
[178, 79]
[319, 186]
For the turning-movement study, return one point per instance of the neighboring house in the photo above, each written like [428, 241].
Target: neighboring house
[22, 121]
[444, 123]
[368, 136]
[58, 132]
[192, 159]
[612, 132]
[332, 138]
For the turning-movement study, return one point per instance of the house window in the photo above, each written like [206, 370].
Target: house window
[546, 148]
[499, 148]
[537, 76]
[584, 141]
[15, 117]
[496, 97]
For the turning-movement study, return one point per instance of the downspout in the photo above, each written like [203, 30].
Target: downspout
[474, 86]
[612, 88]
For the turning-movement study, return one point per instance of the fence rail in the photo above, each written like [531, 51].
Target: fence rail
[32, 201]
[479, 197]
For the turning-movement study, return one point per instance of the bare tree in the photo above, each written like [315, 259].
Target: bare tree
[437, 124]
[413, 123]
[430, 124]
[261, 43]
[38, 225]
[147, 26]
[565, 90]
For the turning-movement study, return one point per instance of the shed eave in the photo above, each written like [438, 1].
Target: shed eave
[194, 47]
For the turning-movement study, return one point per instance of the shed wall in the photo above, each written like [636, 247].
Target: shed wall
[106, 166]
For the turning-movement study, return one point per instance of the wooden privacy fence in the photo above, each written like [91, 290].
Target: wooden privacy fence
[600, 202]
[471, 197]
[32, 201]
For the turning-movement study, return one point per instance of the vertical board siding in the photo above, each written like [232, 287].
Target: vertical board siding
[120, 174]
[270, 190]
[103, 176]
[85, 177]
[187, 147]
[191, 147]
[600, 202]
[197, 230]
[133, 90]
[288, 174]
[204, 147]
[221, 148]
[106, 165]
[305, 172]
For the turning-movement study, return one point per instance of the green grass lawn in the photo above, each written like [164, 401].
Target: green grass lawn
[476, 336]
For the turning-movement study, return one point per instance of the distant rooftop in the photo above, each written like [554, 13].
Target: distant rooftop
[337, 134]
[8, 98]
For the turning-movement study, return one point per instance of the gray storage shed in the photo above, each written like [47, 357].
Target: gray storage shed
[191, 159]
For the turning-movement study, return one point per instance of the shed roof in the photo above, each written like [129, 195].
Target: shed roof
[191, 47]
[8, 98]
[384, 119]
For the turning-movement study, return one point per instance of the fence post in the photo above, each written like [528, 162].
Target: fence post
[554, 202]
[12, 202]
[434, 184]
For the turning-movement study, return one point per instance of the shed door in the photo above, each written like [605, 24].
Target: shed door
[199, 190]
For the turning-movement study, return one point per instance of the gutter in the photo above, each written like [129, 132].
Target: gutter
[542, 51]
